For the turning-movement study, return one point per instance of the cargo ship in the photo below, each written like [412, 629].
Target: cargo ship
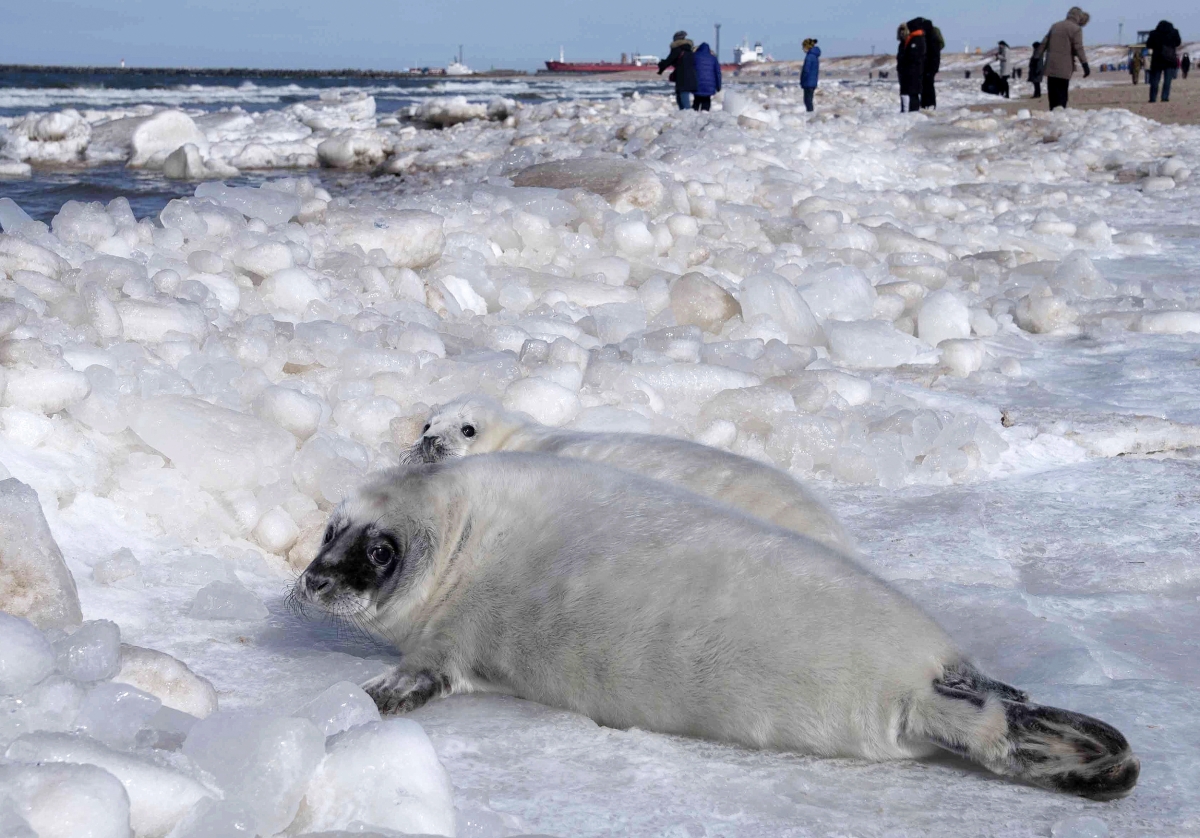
[628, 64]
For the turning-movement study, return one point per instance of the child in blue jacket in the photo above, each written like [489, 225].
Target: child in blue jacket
[708, 78]
[808, 75]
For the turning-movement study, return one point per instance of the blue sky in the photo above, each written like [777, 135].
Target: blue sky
[380, 34]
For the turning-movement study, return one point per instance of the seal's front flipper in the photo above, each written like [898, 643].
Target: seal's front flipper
[402, 690]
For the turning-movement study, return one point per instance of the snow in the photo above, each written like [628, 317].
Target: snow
[975, 333]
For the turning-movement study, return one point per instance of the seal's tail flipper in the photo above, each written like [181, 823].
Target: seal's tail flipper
[994, 725]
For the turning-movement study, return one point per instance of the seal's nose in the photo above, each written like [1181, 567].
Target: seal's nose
[428, 444]
[316, 585]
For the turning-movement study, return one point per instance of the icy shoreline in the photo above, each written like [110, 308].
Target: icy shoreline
[956, 323]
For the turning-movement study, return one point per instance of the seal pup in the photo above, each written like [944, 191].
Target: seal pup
[638, 604]
[479, 425]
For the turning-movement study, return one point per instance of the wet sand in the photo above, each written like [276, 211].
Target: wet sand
[1183, 109]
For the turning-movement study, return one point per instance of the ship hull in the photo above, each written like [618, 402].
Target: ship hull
[609, 67]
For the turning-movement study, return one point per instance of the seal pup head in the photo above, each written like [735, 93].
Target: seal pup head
[468, 425]
[375, 552]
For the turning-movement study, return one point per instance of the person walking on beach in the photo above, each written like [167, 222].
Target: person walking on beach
[684, 76]
[910, 64]
[1063, 44]
[1037, 69]
[934, 44]
[1163, 43]
[1185, 64]
[708, 77]
[810, 71]
[1135, 66]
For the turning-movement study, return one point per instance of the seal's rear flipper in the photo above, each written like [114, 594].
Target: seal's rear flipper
[1070, 752]
[993, 724]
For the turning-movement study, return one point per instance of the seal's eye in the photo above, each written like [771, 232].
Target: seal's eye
[381, 554]
[468, 431]
[328, 537]
[426, 428]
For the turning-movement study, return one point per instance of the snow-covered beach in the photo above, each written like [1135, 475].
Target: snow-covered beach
[976, 333]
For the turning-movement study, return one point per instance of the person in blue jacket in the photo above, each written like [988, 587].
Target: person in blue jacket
[812, 67]
[708, 78]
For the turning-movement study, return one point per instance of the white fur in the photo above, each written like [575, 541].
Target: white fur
[753, 487]
[641, 605]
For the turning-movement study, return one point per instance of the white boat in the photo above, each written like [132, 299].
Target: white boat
[457, 68]
[744, 54]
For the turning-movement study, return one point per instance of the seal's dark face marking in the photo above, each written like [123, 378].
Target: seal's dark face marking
[357, 566]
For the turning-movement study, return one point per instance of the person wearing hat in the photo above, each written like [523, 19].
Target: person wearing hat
[1002, 57]
[810, 71]
[1063, 46]
[682, 59]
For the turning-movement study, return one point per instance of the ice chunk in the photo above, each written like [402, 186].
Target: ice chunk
[118, 566]
[113, 713]
[227, 601]
[91, 653]
[146, 321]
[292, 289]
[943, 316]
[269, 205]
[449, 110]
[276, 531]
[262, 761]
[52, 704]
[962, 357]
[842, 293]
[45, 391]
[1042, 312]
[1077, 276]
[625, 184]
[385, 774]
[34, 580]
[12, 217]
[12, 825]
[159, 794]
[544, 400]
[1079, 826]
[265, 259]
[634, 238]
[409, 238]
[21, 255]
[874, 343]
[26, 656]
[1170, 322]
[341, 707]
[773, 297]
[160, 135]
[64, 800]
[291, 409]
[698, 301]
[218, 448]
[167, 679]
[216, 819]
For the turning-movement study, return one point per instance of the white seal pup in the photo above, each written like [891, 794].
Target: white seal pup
[638, 604]
[479, 425]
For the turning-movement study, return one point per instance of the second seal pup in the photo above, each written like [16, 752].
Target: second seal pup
[479, 425]
[640, 605]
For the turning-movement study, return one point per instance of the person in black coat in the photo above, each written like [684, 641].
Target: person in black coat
[910, 64]
[993, 82]
[682, 59]
[1163, 43]
[934, 44]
